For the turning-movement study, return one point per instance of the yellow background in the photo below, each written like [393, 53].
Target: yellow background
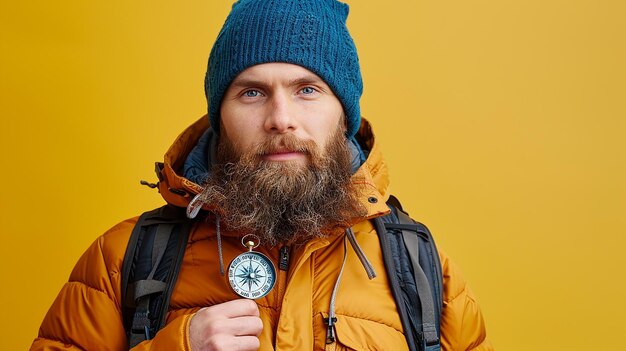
[503, 123]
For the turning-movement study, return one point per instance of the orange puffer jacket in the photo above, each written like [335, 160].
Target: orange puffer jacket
[87, 314]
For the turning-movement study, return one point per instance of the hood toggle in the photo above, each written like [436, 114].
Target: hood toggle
[148, 184]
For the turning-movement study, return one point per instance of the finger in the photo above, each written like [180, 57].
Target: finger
[246, 343]
[226, 334]
[238, 326]
[230, 309]
[241, 326]
[237, 343]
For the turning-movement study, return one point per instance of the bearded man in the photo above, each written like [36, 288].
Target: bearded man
[283, 172]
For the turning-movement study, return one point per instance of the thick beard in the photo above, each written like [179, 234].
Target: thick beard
[284, 202]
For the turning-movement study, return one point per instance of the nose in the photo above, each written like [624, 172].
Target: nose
[280, 117]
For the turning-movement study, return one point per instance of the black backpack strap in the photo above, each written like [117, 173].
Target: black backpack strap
[424, 288]
[413, 268]
[394, 284]
[150, 269]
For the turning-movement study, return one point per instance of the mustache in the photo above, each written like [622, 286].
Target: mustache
[286, 143]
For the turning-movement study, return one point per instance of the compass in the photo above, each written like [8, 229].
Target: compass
[251, 274]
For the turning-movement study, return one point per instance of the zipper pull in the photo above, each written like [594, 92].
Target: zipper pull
[330, 332]
[283, 260]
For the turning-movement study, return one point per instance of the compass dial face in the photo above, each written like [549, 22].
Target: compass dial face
[252, 275]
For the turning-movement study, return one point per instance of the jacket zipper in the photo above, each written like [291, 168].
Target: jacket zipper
[283, 260]
[283, 268]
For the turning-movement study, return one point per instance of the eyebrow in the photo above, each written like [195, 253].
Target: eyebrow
[308, 79]
[251, 82]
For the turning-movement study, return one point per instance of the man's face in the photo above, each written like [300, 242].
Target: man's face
[273, 100]
[283, 164]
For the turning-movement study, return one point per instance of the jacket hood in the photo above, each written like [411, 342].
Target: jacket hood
[371, 179]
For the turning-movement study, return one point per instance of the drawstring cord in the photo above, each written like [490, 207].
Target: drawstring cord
[194, 207]
[369, 269]
[219, 243]
[330, 321]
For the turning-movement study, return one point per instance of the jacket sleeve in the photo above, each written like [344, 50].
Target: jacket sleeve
[462, 324]
[86, 315]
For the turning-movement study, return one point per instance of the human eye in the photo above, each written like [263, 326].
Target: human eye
[308, 90]
[251, 93]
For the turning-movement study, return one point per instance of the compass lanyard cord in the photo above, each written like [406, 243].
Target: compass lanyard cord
[193, 208]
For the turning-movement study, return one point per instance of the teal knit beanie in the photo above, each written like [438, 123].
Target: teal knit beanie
[308, 33]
